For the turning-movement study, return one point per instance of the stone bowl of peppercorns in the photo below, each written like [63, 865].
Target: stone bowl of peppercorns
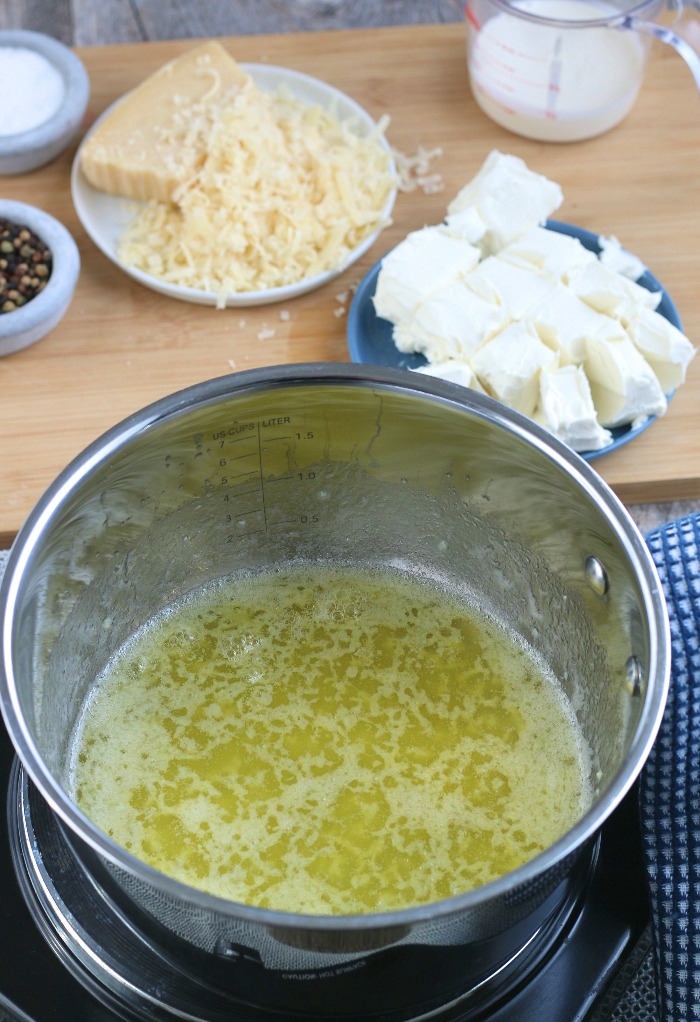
[39, 268]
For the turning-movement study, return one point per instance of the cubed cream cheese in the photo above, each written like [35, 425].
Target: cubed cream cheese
[424, 261]
[667, 350]
[533, 316]
[566, 409]
[564, 322]
[610, 293]
[509, 197]
[466, 224]
[509, 366]
[618, 259]
[452, 322]
[624, 387]
[518, 289]
[455, 371]
[548, 251]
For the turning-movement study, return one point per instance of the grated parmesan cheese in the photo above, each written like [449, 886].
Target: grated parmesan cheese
[285, 192]
[415, 171]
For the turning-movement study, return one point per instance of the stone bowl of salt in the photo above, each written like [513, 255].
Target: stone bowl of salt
[45, 90]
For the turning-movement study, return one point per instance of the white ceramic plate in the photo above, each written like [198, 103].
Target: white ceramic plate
[105, 217]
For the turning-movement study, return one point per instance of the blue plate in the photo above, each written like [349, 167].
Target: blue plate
[370, 337]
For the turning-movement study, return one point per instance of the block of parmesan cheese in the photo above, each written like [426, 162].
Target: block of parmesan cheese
[155, 138]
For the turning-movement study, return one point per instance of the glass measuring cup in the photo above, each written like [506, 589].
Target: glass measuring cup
[563, 70]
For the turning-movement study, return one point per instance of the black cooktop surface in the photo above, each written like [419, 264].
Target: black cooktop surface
[584, 976]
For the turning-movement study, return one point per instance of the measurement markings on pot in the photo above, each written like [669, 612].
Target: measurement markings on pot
[232, 472]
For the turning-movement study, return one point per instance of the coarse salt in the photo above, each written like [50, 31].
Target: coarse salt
[32, 89]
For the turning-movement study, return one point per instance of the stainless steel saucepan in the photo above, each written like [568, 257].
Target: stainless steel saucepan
[335, 462]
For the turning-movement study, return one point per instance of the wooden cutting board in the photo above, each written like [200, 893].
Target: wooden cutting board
[122, 346]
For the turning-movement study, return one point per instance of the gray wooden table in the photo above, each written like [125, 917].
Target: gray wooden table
[92, 22]
[96, 22]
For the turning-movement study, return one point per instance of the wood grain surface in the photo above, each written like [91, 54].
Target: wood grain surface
[96, 22]
[122, 346]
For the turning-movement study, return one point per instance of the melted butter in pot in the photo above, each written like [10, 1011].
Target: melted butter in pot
[331, 741]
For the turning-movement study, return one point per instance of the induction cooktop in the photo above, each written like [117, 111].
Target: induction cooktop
[599, 968]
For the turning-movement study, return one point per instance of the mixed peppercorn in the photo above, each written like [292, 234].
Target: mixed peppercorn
[25, 265]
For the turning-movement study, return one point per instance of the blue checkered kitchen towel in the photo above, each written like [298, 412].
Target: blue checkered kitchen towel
[670, 783]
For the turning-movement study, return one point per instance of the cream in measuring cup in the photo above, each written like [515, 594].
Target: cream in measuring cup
[540, 77]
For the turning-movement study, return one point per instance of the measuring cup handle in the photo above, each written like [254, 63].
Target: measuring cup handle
[688, 52]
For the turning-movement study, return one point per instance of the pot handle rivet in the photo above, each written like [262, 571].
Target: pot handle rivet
[634, 675]
[597, 576]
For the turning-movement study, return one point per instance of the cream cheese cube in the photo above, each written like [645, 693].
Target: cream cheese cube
[667, 350]
[565, 323]
[610, 293]
[566, 409]
[624, 387]
[548, 251]
[617, 258]
[518, 289]
[455, 371]
[509, 366]
[452, 322]
[466, 224]
[509, 197]
[423, 262]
